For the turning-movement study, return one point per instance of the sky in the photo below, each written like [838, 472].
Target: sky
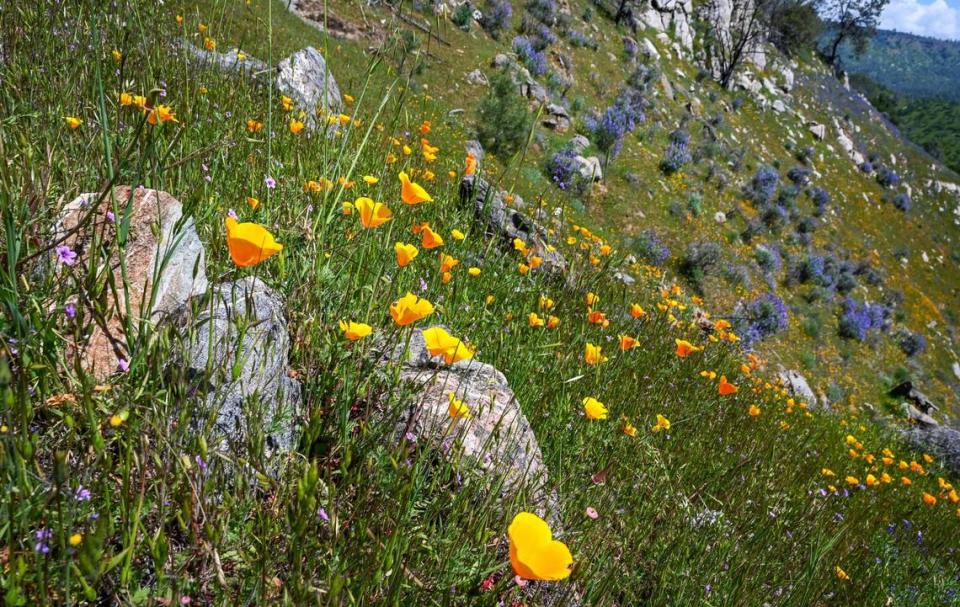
[934, 18]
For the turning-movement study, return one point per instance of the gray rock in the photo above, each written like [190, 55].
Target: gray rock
[506, 224]
[557, 118]
[778, 106]
[650, 51]
[227, 62]
[797, 386]
[477, 78]
[624, 278]
[589, 167]
[579, 143]
[666, 86]
[819, 131]
[304, 77]
[908, 391]
[237, 354]
[498, 439]
[918, 416]
[501, 60]
[163, 265]
[942, 441]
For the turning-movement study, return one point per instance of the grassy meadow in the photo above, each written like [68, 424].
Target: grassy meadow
[114, 496]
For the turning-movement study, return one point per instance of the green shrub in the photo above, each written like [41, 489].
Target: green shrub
[503, 120]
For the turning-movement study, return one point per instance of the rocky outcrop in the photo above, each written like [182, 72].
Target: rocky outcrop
[557, 118]
[231, 61]
[237, 356]
[673, 16]
[506, 224]
[798, 387]
[497, 439]
[304, 77]
[942, 441]
[163, 263]
[590, 168]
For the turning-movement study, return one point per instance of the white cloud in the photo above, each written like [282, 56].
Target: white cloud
[937, 19]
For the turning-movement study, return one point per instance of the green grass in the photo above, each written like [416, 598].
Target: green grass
[405, 524]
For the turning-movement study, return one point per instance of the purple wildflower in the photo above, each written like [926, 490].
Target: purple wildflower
[270, 182]
[66, 255]
[70, 310]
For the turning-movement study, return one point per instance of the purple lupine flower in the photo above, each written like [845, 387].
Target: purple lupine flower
[270, 182]
[232, 214]
[70, 310]
[82, 494]
[124, 364]
[110, 216]
[201, 464]
[323, 515]
[42, 536]
[66, 255]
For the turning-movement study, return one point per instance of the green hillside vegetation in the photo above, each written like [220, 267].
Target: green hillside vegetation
[933, 124]
[705, 482]
[915, 66]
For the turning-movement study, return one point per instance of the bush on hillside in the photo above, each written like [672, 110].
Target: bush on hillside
[650, 248]
[858, 319]
[496, 17]
[760, 318]
[503, 120]
[763, 187]
[911, 343]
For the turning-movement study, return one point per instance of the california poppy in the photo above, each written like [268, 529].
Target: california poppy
[662, 424]
[372, 214]
[594, 409]
[637, 311]
[73, 122]
[405, 253]
[448, 262]
[628, 343]
[534, 320]
[441, 343]
[471, 167]
[411, 192]
[355, 330]
[409, 309]
[685, 348]
[592, 354]
[534, 554]
[250, 243]
[430, 239]
[725, 388]
[457, 408]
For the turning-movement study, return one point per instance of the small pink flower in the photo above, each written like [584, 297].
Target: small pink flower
[592, 513]
[519, 581]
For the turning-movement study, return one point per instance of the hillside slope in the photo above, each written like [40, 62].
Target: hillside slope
[639, 329]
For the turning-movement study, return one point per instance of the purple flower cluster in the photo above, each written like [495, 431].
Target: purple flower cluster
[912, 343]
[888, 178]
[760, 318]
[544, 11]
[821, 198]
[496, 16]
[563, 169]
[620, 119]
[650, 248]
[902, 202]
[676, 157]
[799, 175]
[534, 60]
[858, 320]
[763, 186]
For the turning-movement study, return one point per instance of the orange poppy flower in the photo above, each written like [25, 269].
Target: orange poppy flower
[471, 165]
[534, 554]
[409, 309]
[685, 348]
[411, 192]
[430, 239]
[372, 214]
[441, 343]
[405, 253]
[250, 243]
[726, 388]
[628, 343]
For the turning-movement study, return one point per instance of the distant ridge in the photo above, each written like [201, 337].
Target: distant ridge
[911, 65]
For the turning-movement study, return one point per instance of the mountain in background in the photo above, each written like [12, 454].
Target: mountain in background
[910, 65]
[915, 81]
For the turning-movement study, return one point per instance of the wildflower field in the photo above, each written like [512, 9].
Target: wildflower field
[678, 470]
